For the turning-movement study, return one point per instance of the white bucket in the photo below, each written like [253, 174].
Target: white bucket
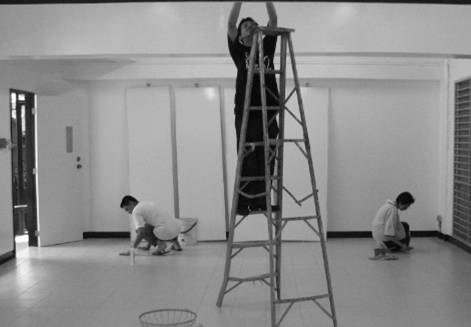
[189, 234]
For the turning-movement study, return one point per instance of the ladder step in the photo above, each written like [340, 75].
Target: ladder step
[299, 218]
[268, 71]
[274, 209]
[250, 279]
[251, 244]
[275, 108]
[275, 142]
[301, 299]
[258, 178]
[275, 30]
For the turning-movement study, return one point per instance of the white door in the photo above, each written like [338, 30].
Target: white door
[150, 146]
[59, 181]
[199, 149]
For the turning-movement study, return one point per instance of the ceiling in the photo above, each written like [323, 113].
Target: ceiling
[20, 2]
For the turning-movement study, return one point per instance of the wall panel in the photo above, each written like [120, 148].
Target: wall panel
[384, 139]
[199, 152]
[150, 145]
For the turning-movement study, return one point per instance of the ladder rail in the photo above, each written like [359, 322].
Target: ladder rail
[267, 166]
[280, 150]
[313, 180]
[240, 157]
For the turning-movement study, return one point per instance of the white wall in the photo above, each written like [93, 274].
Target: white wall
[199, 153]
[383, 140]
[350, 102]
[321, 28]
[148, 116]
[108, 158]
[169, 28]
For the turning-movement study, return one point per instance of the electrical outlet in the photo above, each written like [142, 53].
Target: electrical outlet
[4, 143]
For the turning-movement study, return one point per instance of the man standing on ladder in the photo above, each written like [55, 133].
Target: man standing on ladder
[260, 121]
[240, 41]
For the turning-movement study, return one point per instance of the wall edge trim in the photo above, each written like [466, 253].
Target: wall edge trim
[7, 256]
[367, 234]
[106, 235]
[457, 243]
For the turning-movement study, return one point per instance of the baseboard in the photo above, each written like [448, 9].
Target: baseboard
[342, 234]
[458, 243]
[7, 256]
[442, 236]
[106, 235]
[424, 233]
[367, 234]
[349, 234]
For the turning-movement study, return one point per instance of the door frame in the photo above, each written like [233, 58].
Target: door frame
[30, 169]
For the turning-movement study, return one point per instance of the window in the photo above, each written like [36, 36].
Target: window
[462, 163]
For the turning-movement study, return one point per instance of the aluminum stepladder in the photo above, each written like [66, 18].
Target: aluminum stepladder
[274, 183]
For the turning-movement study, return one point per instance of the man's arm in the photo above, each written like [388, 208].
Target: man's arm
[139, 237]
[272, 17]
[232, 22]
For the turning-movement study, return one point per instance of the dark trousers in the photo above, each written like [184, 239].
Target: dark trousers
[153, 240]
[149, 235]
[254, 162]
[393, 246]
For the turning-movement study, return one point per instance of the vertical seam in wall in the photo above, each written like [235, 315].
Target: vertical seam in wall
[329, 124]
[449, 151]
[223, 153]
[173, 129]
[126, 135]
[89, 155]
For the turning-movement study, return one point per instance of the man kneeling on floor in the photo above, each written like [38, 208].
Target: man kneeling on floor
[152, 224]
[391, 234]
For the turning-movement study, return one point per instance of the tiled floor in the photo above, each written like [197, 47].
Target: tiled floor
[87, 284]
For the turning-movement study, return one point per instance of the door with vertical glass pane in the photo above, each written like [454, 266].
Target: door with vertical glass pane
[22, 106]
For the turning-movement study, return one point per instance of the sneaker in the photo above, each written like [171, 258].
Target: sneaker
[176, 246]
[382, 254]
[377, 257]
[160, 252]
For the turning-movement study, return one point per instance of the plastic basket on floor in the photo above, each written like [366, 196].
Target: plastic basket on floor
[168, 318]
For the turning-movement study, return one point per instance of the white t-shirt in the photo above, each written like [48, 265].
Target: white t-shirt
[386, 224]
[166, 227]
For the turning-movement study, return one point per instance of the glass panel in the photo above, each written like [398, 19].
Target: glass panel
[14, 156]
[23, 120]
[13, 100]
[69, 139]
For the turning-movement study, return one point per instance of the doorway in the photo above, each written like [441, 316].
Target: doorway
[22, 111]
